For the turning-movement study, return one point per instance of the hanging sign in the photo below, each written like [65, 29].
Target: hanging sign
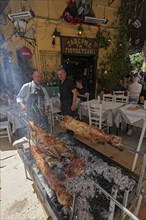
[26, 53]
[77, 45]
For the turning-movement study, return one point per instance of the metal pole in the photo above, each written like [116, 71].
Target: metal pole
[139, 145]
[141, 177]
[73, 207]
[124, 209]
[112, 203]
[125, 201]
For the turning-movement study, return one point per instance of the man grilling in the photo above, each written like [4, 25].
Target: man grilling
[34, 100]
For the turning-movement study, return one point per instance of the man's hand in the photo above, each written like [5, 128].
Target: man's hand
[22, 106]
[47, 111]
[73, 107]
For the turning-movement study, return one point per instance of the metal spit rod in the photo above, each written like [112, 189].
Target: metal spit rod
[73, 207]
[124, 209]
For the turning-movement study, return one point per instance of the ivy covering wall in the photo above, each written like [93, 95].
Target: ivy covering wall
[117, 63]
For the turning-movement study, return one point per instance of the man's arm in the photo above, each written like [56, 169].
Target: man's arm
[23, 96]
[73, 107]
[84, 95]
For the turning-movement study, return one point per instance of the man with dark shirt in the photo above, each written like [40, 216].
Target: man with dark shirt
[68, 93]
[82, 91]
[142, 97]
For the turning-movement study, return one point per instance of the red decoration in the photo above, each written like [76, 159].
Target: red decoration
[71, 15]
[26, 53]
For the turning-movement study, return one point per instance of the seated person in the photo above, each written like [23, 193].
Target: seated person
[119, 86]
[142, 97]
[134, 90]
[82, 91]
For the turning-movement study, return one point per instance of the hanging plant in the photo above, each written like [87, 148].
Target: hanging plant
[103, 39]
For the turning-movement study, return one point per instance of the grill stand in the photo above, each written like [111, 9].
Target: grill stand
[125, 202]
[113, 201]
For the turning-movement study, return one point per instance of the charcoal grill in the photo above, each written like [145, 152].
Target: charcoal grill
[95, 205]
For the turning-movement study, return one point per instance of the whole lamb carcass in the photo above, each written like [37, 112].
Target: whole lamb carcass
[90, 132]
[56, 150]
[47, 144]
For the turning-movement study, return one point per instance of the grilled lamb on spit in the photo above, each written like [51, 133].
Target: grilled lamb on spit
[47, 144]
[56, 150]
[90, 132]
[64, 197]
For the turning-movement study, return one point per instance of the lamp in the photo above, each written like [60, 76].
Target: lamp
[54, 35]
[20, 20]
[20, 27]
[80, 30]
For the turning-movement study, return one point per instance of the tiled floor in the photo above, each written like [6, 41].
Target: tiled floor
[18, 200]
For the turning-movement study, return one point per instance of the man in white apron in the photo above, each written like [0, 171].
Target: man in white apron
[34, 100]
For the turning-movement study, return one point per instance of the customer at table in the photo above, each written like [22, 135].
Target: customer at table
[34, 100]
[68, 93]
[134, 89]
[82, 91]
[142, 97]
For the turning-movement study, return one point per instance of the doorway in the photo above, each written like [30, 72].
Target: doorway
[82, 68]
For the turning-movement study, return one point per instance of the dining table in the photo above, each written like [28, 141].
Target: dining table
[134, 115]
[15, 119]
[15, 115]
[108, 109]
[131, 114]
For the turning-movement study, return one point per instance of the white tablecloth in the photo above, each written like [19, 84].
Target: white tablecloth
[5, 108]
[109, 109]
[132, 117]
[14, 119]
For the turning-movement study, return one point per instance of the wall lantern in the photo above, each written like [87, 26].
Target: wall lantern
[54, 35]
[20, 20]
[20, 27]
[80, 30]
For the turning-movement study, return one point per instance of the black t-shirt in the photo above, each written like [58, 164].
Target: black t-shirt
[82, 92]
[65, 89]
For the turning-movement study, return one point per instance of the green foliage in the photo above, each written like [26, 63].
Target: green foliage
[137, 61]
[118, 62]
[103, 39]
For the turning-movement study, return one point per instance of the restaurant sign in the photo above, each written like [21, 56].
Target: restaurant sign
[77, 45]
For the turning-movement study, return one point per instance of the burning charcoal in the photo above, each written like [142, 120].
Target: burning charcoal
[91, 203]
[105, 214]
[82, 210]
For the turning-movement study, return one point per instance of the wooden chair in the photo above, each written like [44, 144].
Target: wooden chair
[118, 92]
[95, 116]
[121, 98]
[5, 130]
[108, 97]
